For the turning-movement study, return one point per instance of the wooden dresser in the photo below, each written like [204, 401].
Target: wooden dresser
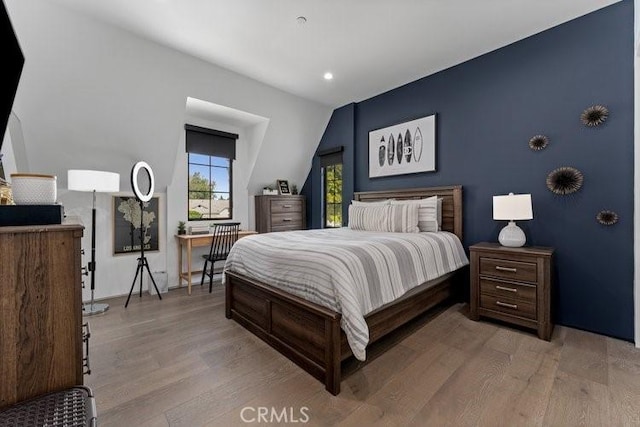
[40, 310]
[280, 213]
[513, 285]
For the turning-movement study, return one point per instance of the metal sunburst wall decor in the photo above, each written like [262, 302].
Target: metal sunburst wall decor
[538, 142]
[565, 180]
[607, 217]
[594, 115]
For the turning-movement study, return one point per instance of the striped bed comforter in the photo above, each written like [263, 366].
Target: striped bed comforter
[350, 272]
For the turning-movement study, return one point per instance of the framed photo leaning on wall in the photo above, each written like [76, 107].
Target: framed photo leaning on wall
[283, 187]
[126, 224]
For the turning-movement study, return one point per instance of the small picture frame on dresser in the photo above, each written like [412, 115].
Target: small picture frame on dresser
[283, 187]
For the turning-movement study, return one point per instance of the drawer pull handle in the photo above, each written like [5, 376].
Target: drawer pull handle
[86, 334]
[286, 219]
[286, 206]
[509, 269]
[504, 304]
[502, 288]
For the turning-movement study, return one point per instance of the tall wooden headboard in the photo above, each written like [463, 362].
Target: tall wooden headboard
[451, 202]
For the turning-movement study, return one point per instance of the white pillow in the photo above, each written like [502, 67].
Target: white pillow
[378, 203]
[427, 212]
[384, 218]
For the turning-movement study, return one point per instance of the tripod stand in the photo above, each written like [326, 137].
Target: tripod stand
[142, 262]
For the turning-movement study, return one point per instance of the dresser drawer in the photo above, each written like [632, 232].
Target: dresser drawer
[512, 270]
[285, 206]
[508, 306]
[280, 213]
[286, 221]
[501, 289]
[287, 227]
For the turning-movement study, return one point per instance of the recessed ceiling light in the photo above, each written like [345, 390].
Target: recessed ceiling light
[301, 20]
[328, 76]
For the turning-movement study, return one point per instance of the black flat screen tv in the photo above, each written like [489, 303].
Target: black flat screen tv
[12, 62]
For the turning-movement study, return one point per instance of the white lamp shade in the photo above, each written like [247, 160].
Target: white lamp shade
[88, 180]
[512, 207]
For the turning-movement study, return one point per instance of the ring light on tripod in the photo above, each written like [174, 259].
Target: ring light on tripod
[134, 181]
[142, 199]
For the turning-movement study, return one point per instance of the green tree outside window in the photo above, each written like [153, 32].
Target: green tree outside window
[333, 196]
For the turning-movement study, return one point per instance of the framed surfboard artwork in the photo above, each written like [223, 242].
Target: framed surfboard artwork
[404, 148]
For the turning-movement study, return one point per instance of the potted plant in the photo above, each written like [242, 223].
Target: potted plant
[181, 227]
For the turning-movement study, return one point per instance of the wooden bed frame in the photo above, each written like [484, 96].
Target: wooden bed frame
[309, 334]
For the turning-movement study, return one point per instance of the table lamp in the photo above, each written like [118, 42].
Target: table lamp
[510, 208]
[101, 182]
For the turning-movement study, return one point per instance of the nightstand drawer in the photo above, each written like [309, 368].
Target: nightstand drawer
[509, 306]
[285, 206]
[508, 290]
[513, 270]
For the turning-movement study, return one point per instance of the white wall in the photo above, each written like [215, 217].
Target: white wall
[92, 96]
[13, 149]
[114, 273]
[177, 196]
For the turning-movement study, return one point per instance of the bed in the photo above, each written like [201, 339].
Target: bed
[309, 333]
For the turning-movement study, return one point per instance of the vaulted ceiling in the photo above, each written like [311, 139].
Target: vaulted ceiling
[370, 46]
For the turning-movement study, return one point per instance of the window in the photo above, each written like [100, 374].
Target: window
[210, 164]
[209, 187]
[331, 164]
[333, 195]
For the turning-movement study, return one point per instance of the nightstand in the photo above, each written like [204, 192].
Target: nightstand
[513, 285]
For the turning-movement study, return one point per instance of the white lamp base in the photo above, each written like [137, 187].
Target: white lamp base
[512, 236]
[91, 308]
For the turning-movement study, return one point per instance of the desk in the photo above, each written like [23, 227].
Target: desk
[190, 241]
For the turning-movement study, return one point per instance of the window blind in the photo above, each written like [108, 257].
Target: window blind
[331, 156]
[210, 142]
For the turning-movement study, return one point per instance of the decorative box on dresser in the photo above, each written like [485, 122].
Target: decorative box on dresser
[514, 285]
[280, 213]
[41, 336]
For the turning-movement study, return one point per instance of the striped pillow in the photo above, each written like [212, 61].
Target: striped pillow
[403, 218]
[386, 218]
[427, 213]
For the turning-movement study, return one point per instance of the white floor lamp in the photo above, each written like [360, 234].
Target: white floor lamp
[101, 182]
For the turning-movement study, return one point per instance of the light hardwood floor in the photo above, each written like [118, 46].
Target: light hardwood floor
[180, 362]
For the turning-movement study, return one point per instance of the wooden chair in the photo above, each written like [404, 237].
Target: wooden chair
[224, 236]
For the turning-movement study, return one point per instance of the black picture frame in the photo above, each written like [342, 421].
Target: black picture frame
[126, 234]
[283, 187]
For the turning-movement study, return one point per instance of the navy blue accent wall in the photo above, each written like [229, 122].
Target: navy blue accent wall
[487, 110]
[339, 132]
